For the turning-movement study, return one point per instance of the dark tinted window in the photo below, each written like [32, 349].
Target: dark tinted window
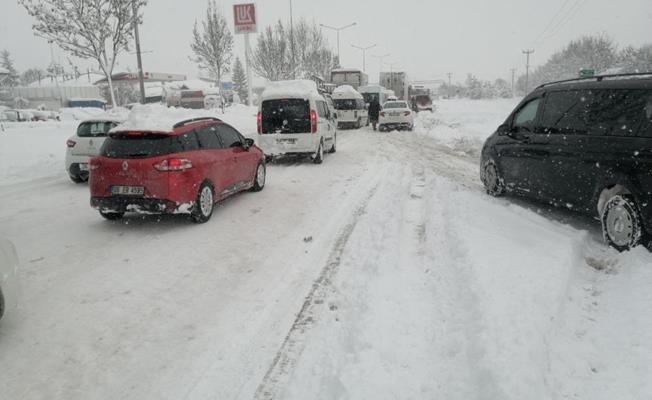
[619, 112]
[526, 116]
[147, 145]
[94, 129]
[346, 104]
[646, 126]
[229, 136]
[322, 109]
[208, 137]
[567, 112]
[286, 116]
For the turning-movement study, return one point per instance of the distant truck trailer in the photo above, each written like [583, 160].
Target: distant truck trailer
[349, 76]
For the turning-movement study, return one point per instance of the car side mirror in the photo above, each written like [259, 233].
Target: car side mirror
[503, 129]
[248, 143]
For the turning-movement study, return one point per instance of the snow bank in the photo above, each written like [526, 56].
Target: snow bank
[292, 88]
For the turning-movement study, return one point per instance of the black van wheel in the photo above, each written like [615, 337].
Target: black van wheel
[334, 147]
[621, 223]
[493, 182]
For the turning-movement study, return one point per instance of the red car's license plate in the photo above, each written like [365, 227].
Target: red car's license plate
[127, 190]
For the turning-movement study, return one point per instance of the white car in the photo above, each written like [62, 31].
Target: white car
[396, 115]
[293, 118]
[85, 144]
[8, 271]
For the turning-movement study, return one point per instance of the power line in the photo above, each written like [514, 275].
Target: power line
[557, 14]
[569, 16]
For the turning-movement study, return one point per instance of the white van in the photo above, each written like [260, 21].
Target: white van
[351, 107]
[293, 118]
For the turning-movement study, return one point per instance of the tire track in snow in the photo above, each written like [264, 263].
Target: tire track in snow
[286, 357]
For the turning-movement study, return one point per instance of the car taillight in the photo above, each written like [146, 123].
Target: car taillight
[94, 164]
[313, 121]
[259, 118]
[406, 113]
[174, 164]
[70, 143]
[382, 114]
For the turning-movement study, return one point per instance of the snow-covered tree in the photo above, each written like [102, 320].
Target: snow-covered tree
[7, 63]
[32, 75]
[272, 58]
[92, 29]
[240, 80]
[213, 43]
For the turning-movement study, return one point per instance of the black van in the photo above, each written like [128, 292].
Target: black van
[585, 144]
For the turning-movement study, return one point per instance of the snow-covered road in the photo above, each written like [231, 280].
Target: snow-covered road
[384, 273]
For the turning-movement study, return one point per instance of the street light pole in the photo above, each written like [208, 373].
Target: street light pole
[364, 55]
[338, 29]
[138, 55]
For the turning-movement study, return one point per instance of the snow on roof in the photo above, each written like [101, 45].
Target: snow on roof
[346, 70]
[78, 99]
[298, 88]
[346, 92]
[159, 118]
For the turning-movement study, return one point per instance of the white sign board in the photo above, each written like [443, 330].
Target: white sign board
[244, 17]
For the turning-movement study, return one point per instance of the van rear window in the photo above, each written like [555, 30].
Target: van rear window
[147, 145]
[285, 116]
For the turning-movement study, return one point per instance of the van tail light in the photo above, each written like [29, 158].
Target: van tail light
[406, 113]
[70, 143]
[313, 121]
[259, 118]
[174, 164]
[382, 114]
[94, 164]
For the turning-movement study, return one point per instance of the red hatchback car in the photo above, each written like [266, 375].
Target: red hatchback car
[186, 170]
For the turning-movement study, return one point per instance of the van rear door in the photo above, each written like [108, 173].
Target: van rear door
[285, 116]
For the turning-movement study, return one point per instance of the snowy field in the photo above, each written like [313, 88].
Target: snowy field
[384, 273]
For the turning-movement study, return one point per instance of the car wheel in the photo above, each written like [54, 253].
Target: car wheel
[334, 147]
[112, 216]
[319, 155]
[259, 179]
[203, 209]
[621, 223]
[269, 159]
[493, 182]
[77, 178]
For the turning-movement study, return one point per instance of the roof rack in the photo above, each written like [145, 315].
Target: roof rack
[597, 78]
[189, 121]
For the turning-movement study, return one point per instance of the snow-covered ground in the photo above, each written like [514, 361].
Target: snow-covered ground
[385, 273]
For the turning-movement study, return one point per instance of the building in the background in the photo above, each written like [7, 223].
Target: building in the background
[396, 81]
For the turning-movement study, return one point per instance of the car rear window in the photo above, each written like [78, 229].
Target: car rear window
[147, 145]
[396, 104]
[346, 104]
[94, 129]
[286, 116]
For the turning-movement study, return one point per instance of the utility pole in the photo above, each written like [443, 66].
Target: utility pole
[450, 84]
[138, 55]
[513, 73]
[364, 55]
[294, 62]
[527, 68]
[338, 30]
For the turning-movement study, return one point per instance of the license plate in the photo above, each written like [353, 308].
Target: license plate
[83, 167]
[127, 190]
[286, 141]
[394, 114]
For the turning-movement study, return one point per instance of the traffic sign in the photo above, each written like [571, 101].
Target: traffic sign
[244, 18]
[587, 73]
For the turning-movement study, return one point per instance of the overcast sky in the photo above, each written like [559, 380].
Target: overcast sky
[427, 38]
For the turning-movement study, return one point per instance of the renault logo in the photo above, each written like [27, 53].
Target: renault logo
[125, 165]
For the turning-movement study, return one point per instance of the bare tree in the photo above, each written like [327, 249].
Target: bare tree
[213, 44]
[89, 29]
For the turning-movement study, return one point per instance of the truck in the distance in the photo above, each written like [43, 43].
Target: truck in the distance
[420, 98]
[349, 76]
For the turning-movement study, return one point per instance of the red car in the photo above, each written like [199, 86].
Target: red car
[185, 170]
